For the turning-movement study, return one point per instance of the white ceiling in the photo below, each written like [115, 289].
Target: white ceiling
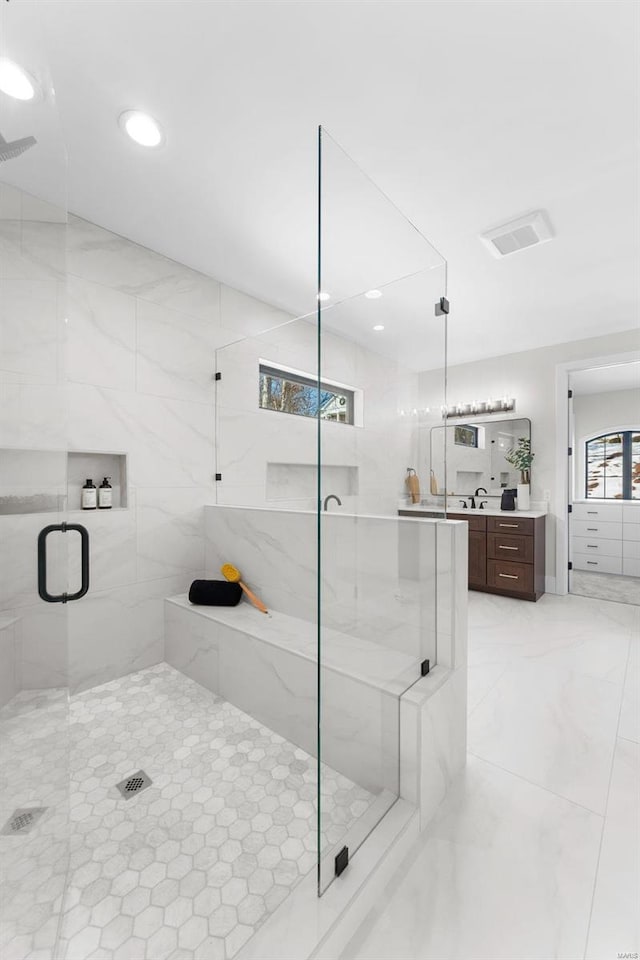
[618, 376]
[464, 113]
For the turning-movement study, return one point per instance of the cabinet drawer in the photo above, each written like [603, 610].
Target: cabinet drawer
[478, 524]
[596, 528]
[631, 513]
[517, 577]
[597, 564]
[631, 549]
[596, 546]
[631, 568]
[630, 531]
[606, 512]
[502, 546]
[511, 524]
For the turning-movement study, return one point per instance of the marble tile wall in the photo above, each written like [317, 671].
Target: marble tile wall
[379, 579]
[250, 438]
[108, 346]
[278, 686]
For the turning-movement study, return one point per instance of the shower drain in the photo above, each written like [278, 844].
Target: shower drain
[22, 820]
[134, 784]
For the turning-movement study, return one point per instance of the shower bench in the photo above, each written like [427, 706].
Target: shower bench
[267, 666]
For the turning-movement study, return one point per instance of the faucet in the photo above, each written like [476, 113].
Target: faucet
[464, 504]
[332, 496]
[482, 503]
[477, 494]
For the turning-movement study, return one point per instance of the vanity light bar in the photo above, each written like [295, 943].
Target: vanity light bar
[478, 407]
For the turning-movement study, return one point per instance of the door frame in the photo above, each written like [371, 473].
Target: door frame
[563, 464]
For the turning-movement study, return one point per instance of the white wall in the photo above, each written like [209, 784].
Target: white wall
[597, 413]
[530, 377]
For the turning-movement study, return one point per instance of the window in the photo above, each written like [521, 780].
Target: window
[466, 436]
[612, 464]
[297, 393]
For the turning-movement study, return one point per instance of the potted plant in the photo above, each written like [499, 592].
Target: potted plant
[521, 458]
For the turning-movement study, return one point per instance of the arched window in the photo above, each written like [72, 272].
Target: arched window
[612, 466]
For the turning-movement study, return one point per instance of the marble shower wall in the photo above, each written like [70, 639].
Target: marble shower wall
[107, 346]
[379, 573]
[262, 453]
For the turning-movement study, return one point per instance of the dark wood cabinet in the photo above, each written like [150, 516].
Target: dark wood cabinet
[477, 558]
[506, 554]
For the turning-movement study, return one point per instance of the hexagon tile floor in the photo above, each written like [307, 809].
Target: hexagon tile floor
[193, 865]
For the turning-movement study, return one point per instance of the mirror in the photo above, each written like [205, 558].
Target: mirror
[476, 451]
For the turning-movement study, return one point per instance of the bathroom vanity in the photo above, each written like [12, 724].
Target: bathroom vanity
[506, 549]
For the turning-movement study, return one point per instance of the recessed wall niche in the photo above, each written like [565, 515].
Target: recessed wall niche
[50, 481]
[81, 465]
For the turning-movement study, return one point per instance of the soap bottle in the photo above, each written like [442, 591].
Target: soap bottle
[89, 495]
[105, 495]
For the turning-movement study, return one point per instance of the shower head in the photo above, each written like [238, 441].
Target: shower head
[13, 148]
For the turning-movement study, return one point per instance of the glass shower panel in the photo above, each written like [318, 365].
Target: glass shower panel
[379, 283]
[34, 704]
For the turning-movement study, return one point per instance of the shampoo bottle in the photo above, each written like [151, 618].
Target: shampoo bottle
[89, 496]
[105, 495]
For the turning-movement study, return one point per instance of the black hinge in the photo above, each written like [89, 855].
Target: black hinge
[342, 861]
[442, 306]
[218, 476]
[570, 565]
[218, 376]
[570, 394]
[425, 666]
[569, 509]
[570, 451]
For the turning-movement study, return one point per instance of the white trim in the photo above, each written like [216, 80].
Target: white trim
[564, 480]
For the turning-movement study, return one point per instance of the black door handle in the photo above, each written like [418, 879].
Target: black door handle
[42, 562]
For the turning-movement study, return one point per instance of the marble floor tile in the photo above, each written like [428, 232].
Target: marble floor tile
[192, 865]
[553, 727]
[629, 726]
[505, 871]
[615, 918]
[509, 869]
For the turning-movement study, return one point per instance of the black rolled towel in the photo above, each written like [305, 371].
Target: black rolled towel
[215, 593]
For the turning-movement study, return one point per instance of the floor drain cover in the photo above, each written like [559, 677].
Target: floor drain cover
[134, 784]
[22, 820]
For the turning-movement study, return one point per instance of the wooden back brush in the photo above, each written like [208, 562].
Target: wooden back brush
[232, 574]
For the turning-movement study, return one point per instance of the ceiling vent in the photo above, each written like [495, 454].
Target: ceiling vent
[527, 231]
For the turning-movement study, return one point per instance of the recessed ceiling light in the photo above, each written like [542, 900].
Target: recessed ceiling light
[142, 128]
[16, 82]
[322, 296]
[379, 326]
[373, 294]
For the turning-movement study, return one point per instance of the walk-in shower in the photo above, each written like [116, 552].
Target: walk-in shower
[171, 772]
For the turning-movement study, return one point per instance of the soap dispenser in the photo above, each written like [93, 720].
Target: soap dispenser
[105, 495]
[89, 495]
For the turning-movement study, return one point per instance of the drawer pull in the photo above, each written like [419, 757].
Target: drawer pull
[592, 513]
[592, 563]
[508, 576]
[592, 546]
[592, 529]
[502, 547]
[514, 525]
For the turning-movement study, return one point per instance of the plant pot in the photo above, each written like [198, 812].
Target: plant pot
[523, 496]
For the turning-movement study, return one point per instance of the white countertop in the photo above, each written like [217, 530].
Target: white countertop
[419, 508]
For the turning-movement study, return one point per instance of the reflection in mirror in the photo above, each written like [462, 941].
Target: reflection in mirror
[476, 455]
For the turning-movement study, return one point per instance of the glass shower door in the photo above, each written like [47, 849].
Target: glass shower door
[379, 281]
[34, 701]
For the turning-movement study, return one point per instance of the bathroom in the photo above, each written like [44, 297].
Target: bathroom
[189, 779]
